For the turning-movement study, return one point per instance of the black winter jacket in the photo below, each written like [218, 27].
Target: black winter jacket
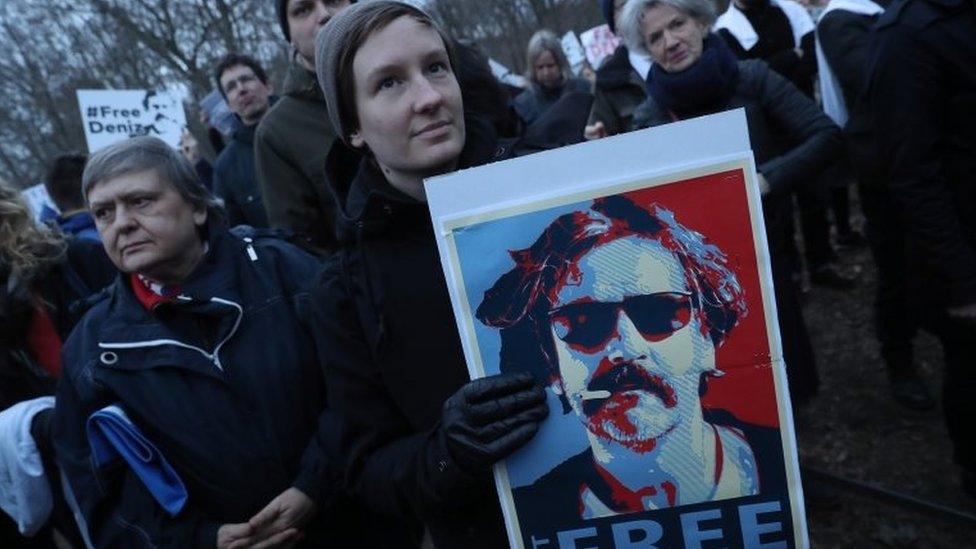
[922, 95]
[235, 181]
[792, 139]
[534, 101]
[393, 355]
[777, 45]
[223, 380]
[619, 90]
[84, 270]
[844, 38]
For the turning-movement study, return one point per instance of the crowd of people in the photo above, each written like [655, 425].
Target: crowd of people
[275, 331]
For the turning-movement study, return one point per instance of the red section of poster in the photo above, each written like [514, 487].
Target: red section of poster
[747, 389]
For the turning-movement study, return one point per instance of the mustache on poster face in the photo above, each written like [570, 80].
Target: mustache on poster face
[625, 376]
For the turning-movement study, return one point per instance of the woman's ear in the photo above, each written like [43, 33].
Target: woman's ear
[200, 216]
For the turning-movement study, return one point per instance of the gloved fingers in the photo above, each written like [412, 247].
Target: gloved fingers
[488, 388]
[492, 410]
[498, 429]
[503, 446]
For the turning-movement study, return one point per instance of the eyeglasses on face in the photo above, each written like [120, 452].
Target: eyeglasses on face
[590, 325]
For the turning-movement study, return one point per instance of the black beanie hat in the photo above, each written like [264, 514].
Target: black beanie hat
[283, 17]
[606, 6]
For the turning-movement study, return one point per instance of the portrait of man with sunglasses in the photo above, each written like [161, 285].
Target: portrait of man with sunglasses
[620, 309]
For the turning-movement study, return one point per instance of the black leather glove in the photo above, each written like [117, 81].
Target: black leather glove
[489, 418]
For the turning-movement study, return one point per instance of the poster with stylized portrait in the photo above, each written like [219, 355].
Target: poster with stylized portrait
[631, 276]
[110, 116]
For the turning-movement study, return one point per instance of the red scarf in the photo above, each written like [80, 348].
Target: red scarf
[151, 294]
[43, 341]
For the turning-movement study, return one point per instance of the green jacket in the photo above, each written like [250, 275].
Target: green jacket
[290, 147]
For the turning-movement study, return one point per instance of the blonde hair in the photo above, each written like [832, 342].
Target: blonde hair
[26, 248]
[541, 42]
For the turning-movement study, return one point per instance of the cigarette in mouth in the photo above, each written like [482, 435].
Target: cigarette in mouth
[591, 395]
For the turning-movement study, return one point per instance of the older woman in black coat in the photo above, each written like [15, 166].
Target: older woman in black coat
[695, 74]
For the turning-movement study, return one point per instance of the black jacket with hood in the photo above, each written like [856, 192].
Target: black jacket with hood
[922, 105]
[393, 355]
[235, 181]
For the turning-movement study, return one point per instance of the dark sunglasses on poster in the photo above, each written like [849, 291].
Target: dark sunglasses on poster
[590, 325]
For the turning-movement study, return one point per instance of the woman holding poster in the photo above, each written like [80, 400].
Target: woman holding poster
[695, 74]
[418, 439]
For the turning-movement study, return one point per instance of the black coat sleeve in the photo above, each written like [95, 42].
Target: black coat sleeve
[817, 139]
[733, 43]
[844, 40]
[806, 68]
[389, 466]
[909, 95]
[319, 476]
[221, 188]
[117, 507]
[797, 68]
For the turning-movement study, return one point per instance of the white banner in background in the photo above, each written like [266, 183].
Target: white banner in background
[599, 43]
[110, 116]
[574, 52]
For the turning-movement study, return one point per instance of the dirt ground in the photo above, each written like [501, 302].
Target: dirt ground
[855, 429]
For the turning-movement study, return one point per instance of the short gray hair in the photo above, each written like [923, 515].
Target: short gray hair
[545, 41]
[144, 153]
[632, 20]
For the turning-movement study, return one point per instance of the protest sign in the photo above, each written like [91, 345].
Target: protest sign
[110, 116]
[506, 76]
[631, 276]
[599, 43]
[575, 55]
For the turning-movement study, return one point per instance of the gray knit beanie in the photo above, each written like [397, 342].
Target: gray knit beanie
[330, 43]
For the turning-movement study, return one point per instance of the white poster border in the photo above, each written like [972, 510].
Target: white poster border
[478, 195]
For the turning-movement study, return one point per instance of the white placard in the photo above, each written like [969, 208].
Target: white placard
[110, 116]
[631, 277]
[599, 43]
[574, 51]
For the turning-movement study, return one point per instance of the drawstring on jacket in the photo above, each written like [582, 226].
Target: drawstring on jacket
[370, 293]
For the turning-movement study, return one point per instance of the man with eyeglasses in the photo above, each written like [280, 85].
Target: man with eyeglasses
[622, 308]
[244, 85]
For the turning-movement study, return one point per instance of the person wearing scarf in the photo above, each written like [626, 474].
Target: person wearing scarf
[695, 74]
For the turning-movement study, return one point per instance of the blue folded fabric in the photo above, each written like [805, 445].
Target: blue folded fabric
[112, 434]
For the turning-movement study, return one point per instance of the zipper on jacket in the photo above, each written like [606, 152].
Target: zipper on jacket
[212, 357]
[250, 249]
